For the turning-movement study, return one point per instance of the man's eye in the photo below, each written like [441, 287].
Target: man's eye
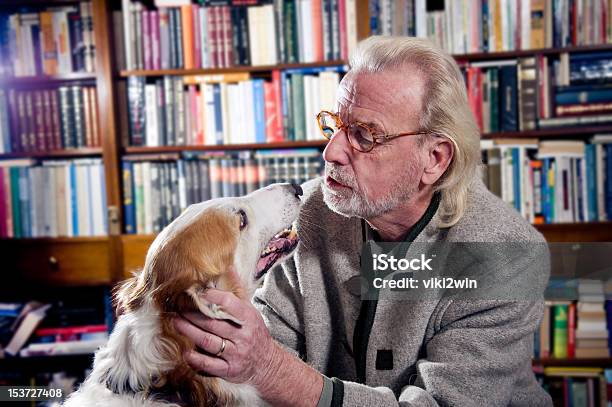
[243, 219]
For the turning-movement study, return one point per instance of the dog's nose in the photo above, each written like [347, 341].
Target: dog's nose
[298, 190]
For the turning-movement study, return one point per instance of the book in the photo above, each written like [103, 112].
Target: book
[27, 323]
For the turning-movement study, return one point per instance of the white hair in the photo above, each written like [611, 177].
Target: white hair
[445, 111]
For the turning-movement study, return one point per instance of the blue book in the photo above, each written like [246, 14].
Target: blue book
[286, 103]
[580, 211]
[90, 212]
[218, 114]
[73, 200]
[315, 70]
[591, 180]
[608, 186]
[4, 123]
[516, 174]
[546, 201]
[24, 201]
[583, 96]
[259, 105]
[129, 209]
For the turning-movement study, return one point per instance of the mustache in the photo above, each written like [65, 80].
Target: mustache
[340, 175]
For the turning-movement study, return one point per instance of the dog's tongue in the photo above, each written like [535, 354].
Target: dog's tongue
[277, 246]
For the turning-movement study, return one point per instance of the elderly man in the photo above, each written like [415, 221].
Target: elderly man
[400, 165]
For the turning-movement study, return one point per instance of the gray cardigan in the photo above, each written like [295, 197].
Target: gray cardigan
[445, 352]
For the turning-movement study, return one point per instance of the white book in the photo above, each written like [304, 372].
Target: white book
[233, 103]
[269, 27]
[62, 41]
[83, 199]
[525, 24]
[51, 202]
[306, 30]
[507, 176]
[28, 21]
[225, 113]
[97, 201]
[151, 119]
[148, 197]
[209, 112]
[63, 348]
[328, 83]
[351, 26]
[25, 329]
[128, 34]
[420, 18]
[308, 84]
[316, 108]
[250, 112]
[202, 13]
[299, 27]
[182, 186]
[255, 46]
[69, 171]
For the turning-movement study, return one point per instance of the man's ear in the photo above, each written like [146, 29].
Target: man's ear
[440, 154]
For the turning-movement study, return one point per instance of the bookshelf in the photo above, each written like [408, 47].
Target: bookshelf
[105, 260]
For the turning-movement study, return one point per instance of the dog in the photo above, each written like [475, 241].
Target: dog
[142, 363]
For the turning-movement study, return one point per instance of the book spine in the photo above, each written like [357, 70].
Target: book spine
[608, 179]
[560, 334]
[591, 177]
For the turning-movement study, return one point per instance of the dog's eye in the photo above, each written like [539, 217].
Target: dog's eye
[243, 219]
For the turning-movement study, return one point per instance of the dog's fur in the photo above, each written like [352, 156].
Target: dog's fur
[143, 363]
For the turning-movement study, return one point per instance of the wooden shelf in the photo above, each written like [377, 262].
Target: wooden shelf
[257, 146]
[42, 3]
[565, 131]
[68, 153]
[482, 56]
[562, 132]
[577, 232]
[39, 364]
[37, 81]
[213, 71]
[597, 362]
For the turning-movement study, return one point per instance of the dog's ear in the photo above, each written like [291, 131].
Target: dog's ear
[129, 294]
[207, 308]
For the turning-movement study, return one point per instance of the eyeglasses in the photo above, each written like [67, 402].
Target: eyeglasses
[361, 136]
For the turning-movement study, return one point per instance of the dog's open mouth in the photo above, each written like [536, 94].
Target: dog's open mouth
[280, 245]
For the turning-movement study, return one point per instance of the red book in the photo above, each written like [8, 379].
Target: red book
[317, 30]
[197, 46]
[55, 120]
[8, 204]
[71, 330]
[211, 17]
[155, 44]
[146, 40]
[474, 94]
[228, 49]
[39, 124]
[269, 110]
[342, 27]
[47, 120]
[571, 331]
[278, 134]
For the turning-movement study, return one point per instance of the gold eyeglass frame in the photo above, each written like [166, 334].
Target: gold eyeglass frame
[375, 137]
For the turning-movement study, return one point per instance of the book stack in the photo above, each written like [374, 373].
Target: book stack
[72, 326]
[551, 181]
[591, 332]
[575, 386]
[230, 108]
[155, 192]
[52, 198]
[467, 26]
[48, 119]
[224, 33]
[54, 41]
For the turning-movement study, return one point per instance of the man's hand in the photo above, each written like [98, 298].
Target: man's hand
[250, 354]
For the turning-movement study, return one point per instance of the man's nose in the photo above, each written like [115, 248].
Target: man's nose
[338, 149]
